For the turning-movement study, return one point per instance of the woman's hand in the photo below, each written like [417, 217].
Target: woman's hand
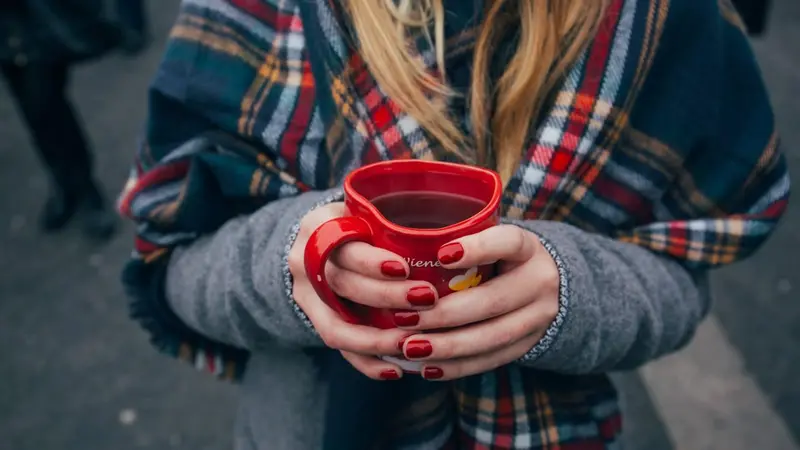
[363, 274]
[496, 322]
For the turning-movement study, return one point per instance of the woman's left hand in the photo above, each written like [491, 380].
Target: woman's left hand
[496, 322]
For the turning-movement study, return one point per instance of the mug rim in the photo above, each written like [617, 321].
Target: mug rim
[491, 207]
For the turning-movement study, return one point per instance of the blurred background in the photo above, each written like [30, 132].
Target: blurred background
[76, 373]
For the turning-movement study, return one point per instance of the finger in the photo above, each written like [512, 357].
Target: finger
[496, 297]
[318, 216]
[380, 293]
[487, 301]
[370, 261]
[375, 368]
[308, 224]
[503, 242]
[460, 368]
[485, 337]
[340, 335]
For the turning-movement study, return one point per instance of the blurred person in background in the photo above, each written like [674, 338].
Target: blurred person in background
[637, 145]
[133, 18]
[40, 42]
[755, 14]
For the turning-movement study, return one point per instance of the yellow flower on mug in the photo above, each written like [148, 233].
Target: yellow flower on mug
[463, 282]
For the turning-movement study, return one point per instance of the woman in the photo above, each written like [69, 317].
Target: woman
[40, 41]
[637, 145]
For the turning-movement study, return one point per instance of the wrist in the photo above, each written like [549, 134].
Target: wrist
[553, 330]
[334, 196]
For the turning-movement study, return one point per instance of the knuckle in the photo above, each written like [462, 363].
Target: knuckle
[336, 281]
[300, 297]
[372, 347]
[553, 276]
[506, 337]
[432, 319]
[517, 240]
[481, 244]
[387, 295]
[309, 222]
[452, 372]
[353, 255]
[444, 350]
[550, 310]
[372, 374]
[551, 279]
[329, 338]
[495, 364]
[296, 261]
[495, 304]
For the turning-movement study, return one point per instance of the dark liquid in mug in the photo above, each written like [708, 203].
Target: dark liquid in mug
[427, 209]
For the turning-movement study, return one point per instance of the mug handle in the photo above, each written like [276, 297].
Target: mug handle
[323, 241]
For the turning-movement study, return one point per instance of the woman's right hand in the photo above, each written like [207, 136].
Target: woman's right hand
[366, 275]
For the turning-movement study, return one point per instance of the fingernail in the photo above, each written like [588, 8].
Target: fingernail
[389, 374]
[432, 373]
[393, 269]
[402, 343]
[451, 253]
[418, 349]
[421, 296]
[406, 318]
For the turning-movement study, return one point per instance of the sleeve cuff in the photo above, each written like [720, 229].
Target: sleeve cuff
[552, 332]
[288, 280]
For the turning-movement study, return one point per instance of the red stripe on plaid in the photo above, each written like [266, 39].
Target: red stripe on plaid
[265, 12]
[611, 427]
[505, 415]
[148, 180]
[776, 209]
[632, 201]
[211, 362]
[144, 247]
[563, 156]
[678, 239]
[298, 124]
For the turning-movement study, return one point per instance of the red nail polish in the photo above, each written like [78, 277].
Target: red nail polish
[393, 269]
[432, 373]
[451, 253]
[406, 318]
[418, 349]
[402, 344]
[421, 296]
[389, 374]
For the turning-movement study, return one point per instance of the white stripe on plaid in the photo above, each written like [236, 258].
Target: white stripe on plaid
[777, 191]
[531, 174]
[488, 391]
[313, 144]
[228, 11]
[522, 434]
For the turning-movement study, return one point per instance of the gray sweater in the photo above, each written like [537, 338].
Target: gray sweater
[623, 307]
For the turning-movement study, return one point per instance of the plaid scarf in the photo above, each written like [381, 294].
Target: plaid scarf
[660, 135]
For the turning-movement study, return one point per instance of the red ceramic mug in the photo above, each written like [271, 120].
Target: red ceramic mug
[411, 208]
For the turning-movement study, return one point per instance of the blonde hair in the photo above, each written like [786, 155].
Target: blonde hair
[552, 35]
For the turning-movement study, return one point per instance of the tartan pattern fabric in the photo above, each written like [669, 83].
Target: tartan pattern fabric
[648, 140]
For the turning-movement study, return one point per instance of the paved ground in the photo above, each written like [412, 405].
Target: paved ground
[77, 374]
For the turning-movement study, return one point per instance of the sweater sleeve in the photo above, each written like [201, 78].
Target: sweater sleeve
[622, 305]
[234, 286]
